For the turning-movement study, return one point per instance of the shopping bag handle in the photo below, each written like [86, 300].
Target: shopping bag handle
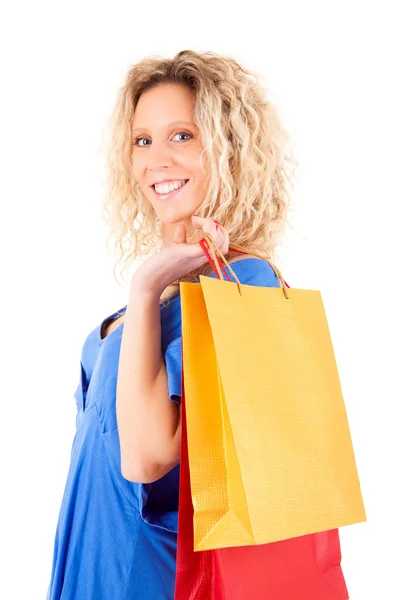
[214, 256]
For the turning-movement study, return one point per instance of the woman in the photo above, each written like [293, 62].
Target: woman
[194, 143]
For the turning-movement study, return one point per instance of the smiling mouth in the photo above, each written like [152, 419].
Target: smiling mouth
[165, 195]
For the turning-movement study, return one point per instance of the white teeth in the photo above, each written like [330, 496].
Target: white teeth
[164, 188]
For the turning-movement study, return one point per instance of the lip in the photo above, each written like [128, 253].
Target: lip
[170, 179]
[169, 194]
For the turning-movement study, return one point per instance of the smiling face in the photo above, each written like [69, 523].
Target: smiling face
[167, 149]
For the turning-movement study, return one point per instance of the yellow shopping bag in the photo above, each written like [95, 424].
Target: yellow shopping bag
[269, 446]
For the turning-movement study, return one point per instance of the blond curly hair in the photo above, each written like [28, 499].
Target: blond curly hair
[249, 156]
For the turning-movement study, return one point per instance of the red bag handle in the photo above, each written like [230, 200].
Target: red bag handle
[204, 244]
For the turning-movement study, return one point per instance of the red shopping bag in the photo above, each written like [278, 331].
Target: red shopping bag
[302, 568]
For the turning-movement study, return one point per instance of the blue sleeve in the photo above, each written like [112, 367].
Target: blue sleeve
[249, 271]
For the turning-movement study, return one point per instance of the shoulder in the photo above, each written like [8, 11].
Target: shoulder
[252, 270]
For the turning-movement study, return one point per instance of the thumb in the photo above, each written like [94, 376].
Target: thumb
[180, 234]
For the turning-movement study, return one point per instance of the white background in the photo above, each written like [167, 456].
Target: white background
[332, 70]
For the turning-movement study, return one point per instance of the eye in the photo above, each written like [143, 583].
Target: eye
[183, 133]
[141, 137]
[137, 140]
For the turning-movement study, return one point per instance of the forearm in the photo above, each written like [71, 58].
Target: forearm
[148, 421]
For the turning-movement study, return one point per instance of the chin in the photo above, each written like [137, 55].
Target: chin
[174, 217]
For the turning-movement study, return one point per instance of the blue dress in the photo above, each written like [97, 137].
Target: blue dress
[116, 540]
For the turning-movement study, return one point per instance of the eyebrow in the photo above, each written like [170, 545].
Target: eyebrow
[172, 124]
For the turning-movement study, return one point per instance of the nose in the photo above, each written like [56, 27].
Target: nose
[159, 155]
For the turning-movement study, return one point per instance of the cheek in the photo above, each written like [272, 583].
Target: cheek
[198, 169]
[138, 168]
[201, 179]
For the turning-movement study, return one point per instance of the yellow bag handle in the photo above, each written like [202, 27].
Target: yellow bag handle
[214, 250]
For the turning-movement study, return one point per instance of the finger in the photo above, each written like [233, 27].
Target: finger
[206, 225]
[210, 227]
[219, 234]
[222, 238]
[179, 236]
[198, 221]
[225, 244]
